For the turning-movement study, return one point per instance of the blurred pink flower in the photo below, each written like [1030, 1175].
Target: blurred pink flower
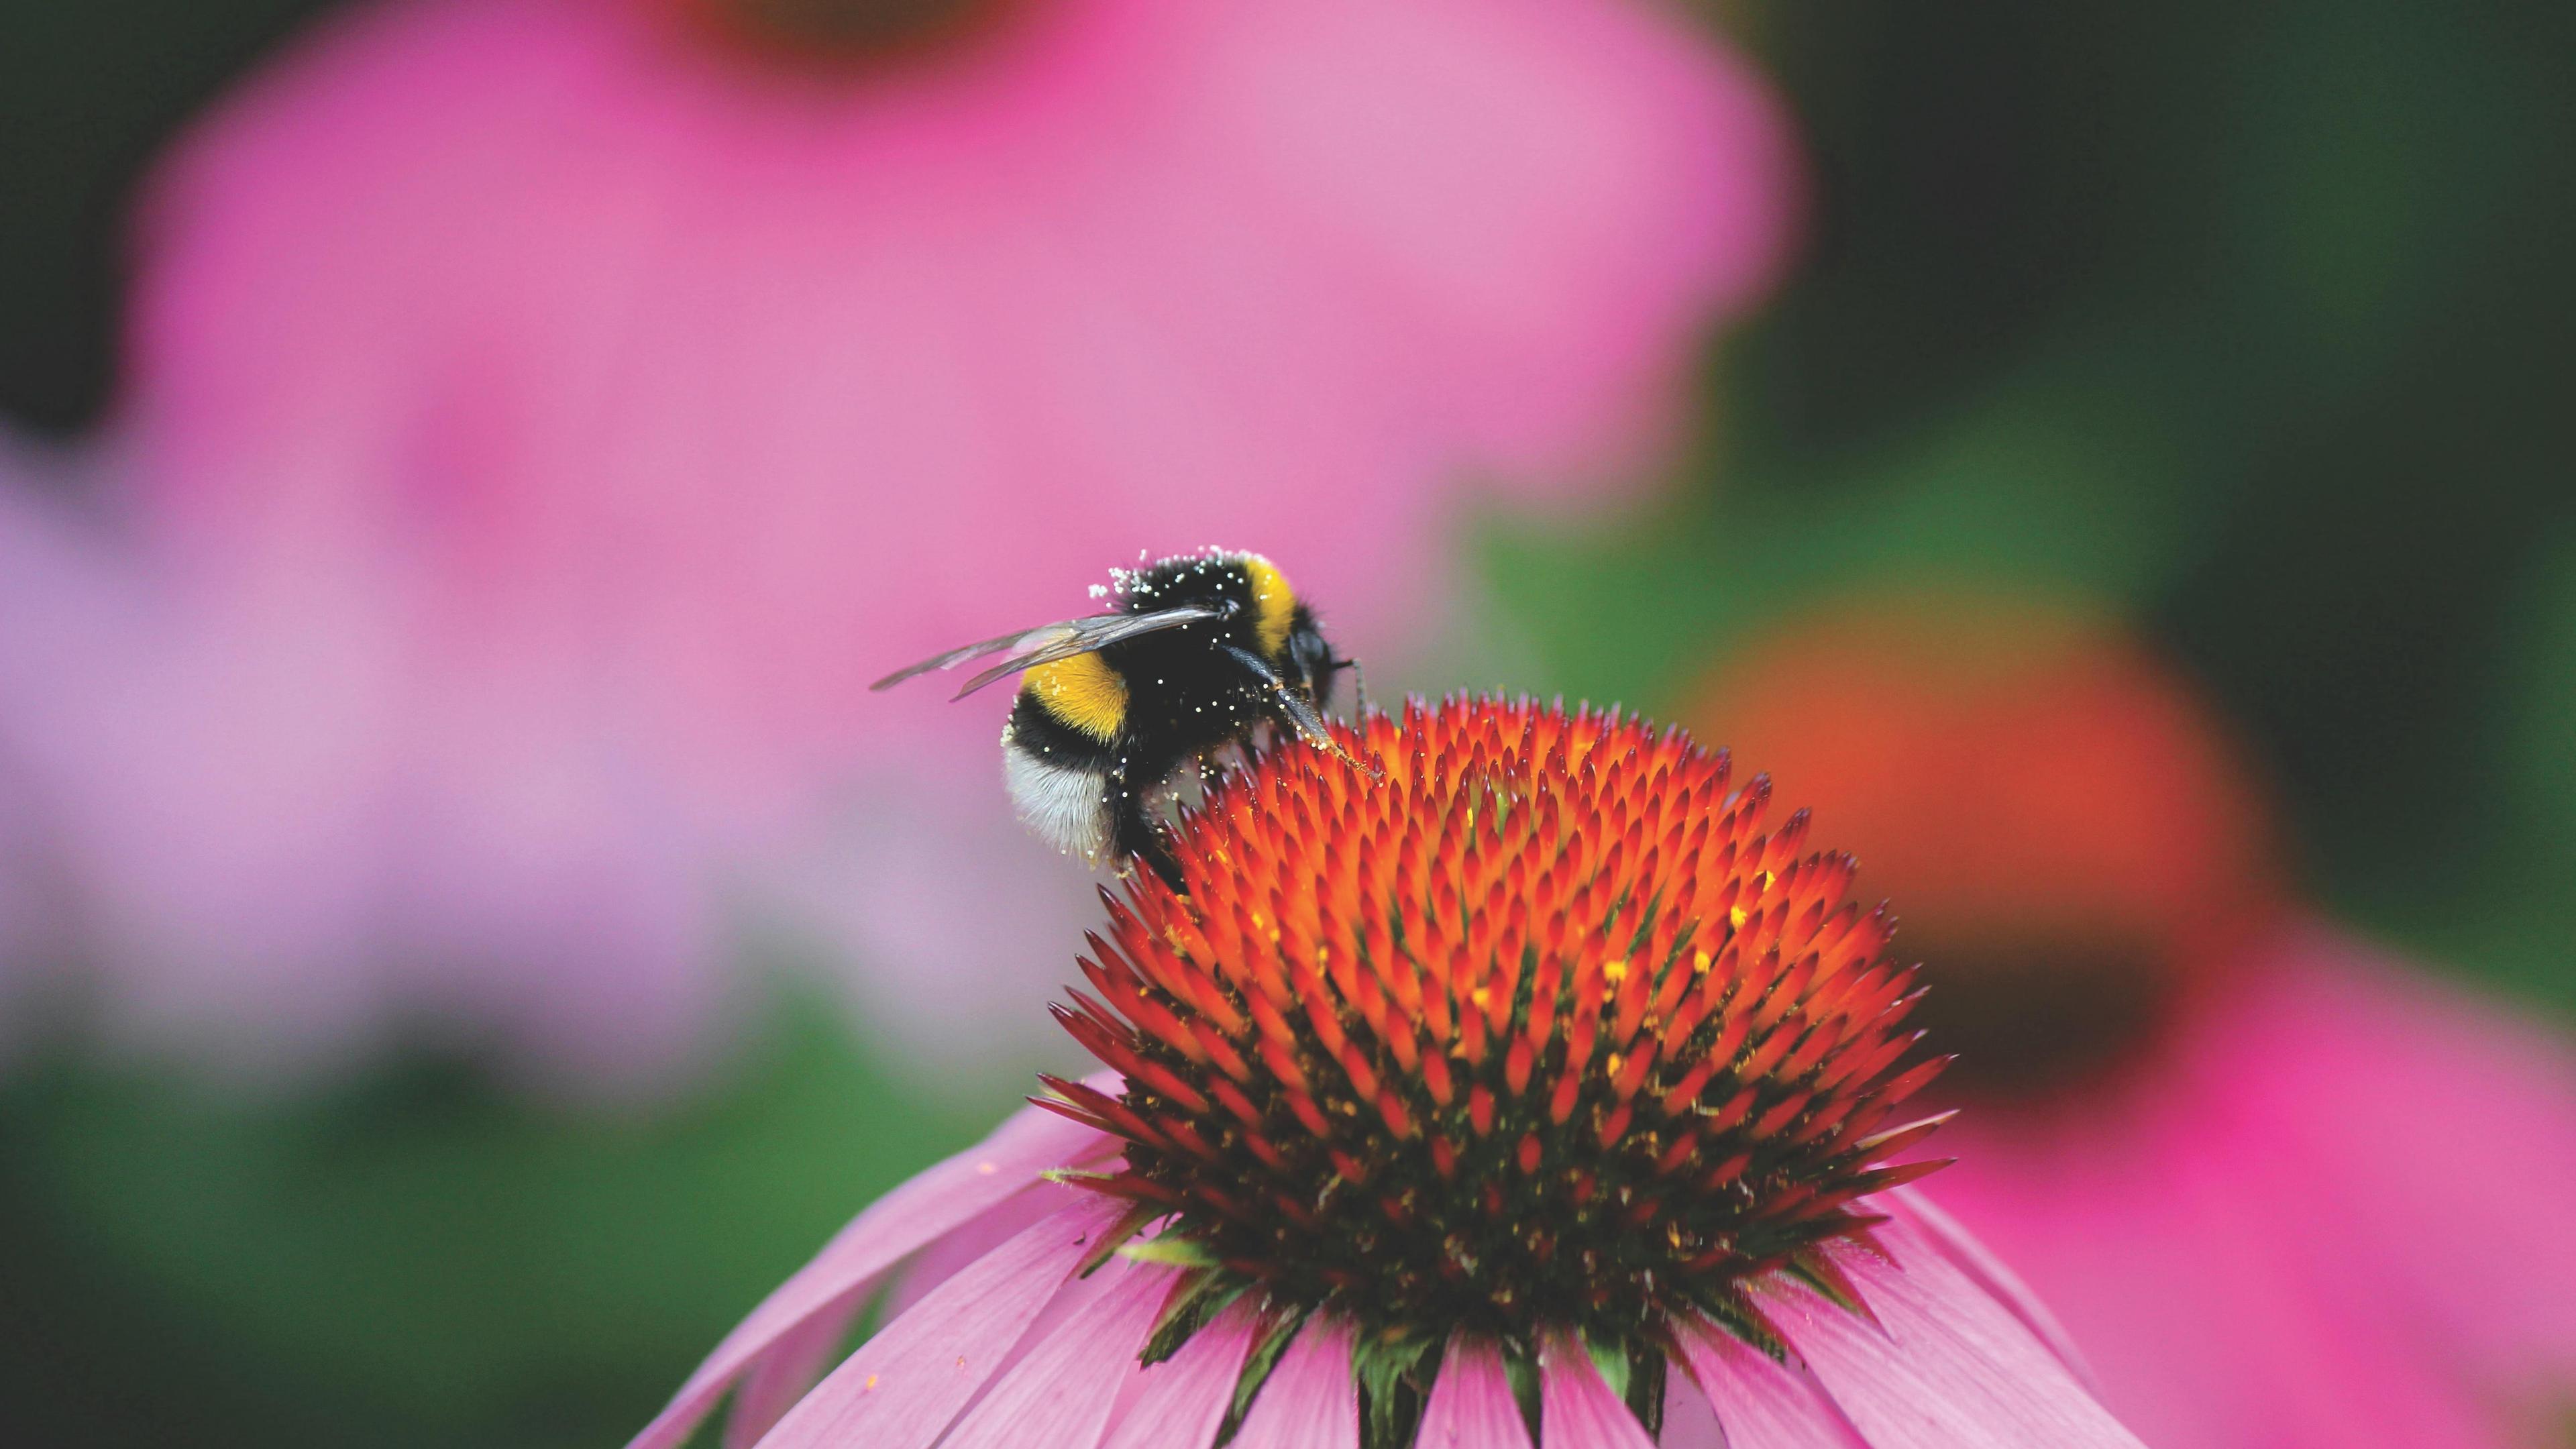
[546, 416]
[2332, 1211]
[2283, 1194]
[38, 573]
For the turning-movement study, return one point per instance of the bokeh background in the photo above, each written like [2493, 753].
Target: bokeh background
[2243, 325]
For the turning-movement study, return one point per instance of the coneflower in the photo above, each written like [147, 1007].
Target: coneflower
[1499, 1083]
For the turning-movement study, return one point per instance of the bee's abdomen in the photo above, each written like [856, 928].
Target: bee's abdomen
[1058, 776]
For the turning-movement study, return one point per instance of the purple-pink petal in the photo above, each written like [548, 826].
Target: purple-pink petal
[1311, 1400]
[780, 1376]
[938, 1201]
[1178, 1403]
[1761, 1403]
[2176, 1225]
[1059, 1396]
[1945, 1366]
[1996, 1277]
[906, 1384]
[1576, 1408]
[2440, 1119]
[1472, 1406]
[2215, 1323]
[1689, 1422]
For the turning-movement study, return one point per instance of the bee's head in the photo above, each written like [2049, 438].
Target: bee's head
[1286, 632]
[1265, 625]
[1310, 662]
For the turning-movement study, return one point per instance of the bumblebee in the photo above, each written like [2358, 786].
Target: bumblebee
[1200, 651]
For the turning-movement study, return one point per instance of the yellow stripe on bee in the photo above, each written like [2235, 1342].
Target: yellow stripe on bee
[1273, 602]
[1082, 691]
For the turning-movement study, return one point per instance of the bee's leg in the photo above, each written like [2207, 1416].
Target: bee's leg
[1136, 831]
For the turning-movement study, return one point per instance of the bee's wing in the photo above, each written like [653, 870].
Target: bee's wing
[1026, 638]
[1081, 636]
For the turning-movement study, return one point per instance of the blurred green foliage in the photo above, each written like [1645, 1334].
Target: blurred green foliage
[418, 1258]
[2248, 319]
[88, 93]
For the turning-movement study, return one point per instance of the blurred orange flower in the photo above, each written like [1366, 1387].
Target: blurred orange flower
[2283, 1193]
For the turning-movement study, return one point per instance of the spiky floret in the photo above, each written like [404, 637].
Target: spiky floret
[1513, 1021]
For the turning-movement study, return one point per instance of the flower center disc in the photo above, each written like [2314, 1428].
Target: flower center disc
[1512, 1020]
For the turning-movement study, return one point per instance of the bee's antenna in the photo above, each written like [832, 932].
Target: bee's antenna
[1359, 716]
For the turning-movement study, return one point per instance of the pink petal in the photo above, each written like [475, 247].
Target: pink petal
[938, 1201]
[953, 1253]
[2439, 1118]
[1576, 1408]
[2222, 1306]
[1762, 1404]
[1998, 1279]
[1689, 1422]
[786, 1371]
[1950, 1369]
[1312, 1401]
[904, 1385]
[1181, 1400]
[1472, 1405]
[1060, 1395]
